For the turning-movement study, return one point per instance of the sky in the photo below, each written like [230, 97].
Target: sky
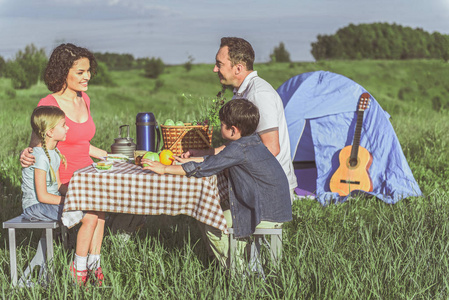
[175, 30]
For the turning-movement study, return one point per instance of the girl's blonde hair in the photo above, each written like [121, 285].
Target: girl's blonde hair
[43, 119]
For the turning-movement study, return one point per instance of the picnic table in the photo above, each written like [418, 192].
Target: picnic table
[127, 188]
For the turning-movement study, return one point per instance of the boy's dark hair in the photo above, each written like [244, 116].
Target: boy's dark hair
[60, 62]
[240, 51]
[242, 114]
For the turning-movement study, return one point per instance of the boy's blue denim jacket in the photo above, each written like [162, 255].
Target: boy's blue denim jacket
[258, 186]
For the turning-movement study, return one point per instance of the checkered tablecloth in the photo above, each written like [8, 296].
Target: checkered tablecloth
[128, 188]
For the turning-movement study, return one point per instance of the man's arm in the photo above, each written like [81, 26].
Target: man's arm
[271, 140]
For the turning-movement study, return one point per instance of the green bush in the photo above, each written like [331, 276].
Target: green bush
[280, 54]
[189, 64]
[17, 74]
[103, 77]
[2, 66]
[154, 67]
[27, 68]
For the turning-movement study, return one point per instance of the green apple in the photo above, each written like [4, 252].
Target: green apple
[169, 122]
[151, 156]
[179, 123]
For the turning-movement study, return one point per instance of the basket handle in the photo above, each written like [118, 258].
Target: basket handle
[178, 139]
[202, 136]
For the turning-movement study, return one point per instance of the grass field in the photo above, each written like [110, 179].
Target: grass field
[361, 249]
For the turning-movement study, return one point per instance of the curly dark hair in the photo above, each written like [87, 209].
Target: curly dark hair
[240, 51]
[60, 62]
[242, 114]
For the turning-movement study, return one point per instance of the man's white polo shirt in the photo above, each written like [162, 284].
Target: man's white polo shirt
[272, 117]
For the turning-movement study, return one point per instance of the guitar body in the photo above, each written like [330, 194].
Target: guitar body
[348, 178]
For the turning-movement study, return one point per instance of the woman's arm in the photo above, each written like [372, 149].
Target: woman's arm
[97, 152]
[26, 158]
[40, 182]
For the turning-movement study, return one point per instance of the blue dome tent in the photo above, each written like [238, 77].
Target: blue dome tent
[321, 112]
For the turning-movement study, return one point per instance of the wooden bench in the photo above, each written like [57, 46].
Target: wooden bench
[44, 253]
[258, 239]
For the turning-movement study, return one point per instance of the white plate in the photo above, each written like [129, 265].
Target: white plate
[119, 157]
[101, 171]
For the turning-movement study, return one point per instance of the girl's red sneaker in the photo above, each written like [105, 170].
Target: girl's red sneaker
[99, 276]
[80, 277]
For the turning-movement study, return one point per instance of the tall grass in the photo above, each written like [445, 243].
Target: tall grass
[360, 249]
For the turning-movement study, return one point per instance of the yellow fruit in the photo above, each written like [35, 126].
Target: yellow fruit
[166, 157]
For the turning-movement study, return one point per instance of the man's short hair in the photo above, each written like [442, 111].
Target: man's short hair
[242, 114]
[240, 51]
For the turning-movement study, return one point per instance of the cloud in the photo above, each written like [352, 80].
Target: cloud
[172, 28]
[85, 9]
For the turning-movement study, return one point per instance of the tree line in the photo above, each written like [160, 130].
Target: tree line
[28, 66]
[381, 41]
[364, 41]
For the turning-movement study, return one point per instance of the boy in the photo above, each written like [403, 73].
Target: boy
[258, 187]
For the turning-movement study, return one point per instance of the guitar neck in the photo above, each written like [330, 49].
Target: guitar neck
[357, 134]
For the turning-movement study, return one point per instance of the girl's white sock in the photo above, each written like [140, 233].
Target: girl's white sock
[80, 263]
[93, 261]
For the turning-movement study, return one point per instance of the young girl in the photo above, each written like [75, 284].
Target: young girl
[43, 193]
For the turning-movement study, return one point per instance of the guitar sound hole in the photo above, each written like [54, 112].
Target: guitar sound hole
[349, 181]
[353, 162]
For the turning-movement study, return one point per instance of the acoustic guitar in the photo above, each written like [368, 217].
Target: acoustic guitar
[352, 174]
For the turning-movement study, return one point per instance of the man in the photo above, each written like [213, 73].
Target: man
[234, 66]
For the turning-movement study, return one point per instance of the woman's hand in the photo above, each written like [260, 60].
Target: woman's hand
[26, 158]
[97, 152]
[154, 166]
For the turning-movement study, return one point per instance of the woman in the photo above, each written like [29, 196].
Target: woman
[67, 75]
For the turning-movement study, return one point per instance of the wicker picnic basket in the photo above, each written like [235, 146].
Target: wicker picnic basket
[180, 139]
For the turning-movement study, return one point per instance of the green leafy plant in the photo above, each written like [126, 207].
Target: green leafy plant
[208, 111]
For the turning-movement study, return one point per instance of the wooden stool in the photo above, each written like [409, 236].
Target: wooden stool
[44, 253]
[258, 238]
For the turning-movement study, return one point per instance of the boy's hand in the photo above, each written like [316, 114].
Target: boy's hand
[154, 166]
[184, 160]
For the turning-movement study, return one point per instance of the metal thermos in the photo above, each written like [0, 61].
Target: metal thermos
[123, 145]
[147, 132]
